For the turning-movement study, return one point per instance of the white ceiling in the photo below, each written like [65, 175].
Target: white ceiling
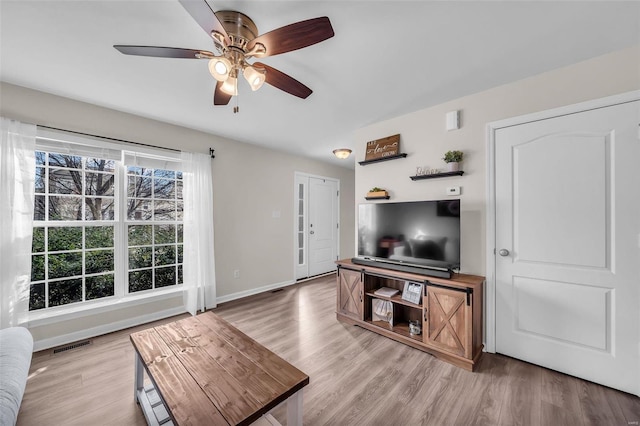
[387, 58]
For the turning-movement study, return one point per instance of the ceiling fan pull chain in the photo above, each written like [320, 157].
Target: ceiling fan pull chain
[236, 109]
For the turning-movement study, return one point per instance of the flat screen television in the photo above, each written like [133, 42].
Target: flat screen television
[418, 236]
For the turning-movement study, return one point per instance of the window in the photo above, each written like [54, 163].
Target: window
[94, 214]
[154, 228]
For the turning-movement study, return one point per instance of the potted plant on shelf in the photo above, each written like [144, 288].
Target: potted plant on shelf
[376, 192]
[453, 159]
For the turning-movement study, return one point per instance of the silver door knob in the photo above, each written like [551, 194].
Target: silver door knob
[503, 252]
[311, 232]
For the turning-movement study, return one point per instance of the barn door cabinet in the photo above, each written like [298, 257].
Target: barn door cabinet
[450, 310]
[350, 294]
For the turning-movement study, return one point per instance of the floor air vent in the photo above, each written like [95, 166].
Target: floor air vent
[71, 346]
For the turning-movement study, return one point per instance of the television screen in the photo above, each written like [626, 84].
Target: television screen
[420, 233]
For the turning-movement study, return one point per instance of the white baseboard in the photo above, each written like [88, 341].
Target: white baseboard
[251, 292]
[64, 339]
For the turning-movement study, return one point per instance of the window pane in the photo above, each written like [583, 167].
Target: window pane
[180, 228]
[164, 188]
[99, 286]
[139, 210]
[61, 160]
[101, 165]
[165, 255]
[140, 257]
[179, 190]
[167, 174]
[37, 268]
[65, 208]
[39, 208]
[64, 292]
[65, 238]
[140, 280]
[139, 187]
[179, 253]
[165, 276]
[65, 265]
[178, 175]
[40, 179]
[164, 210]
[41, 158]
[36, 297]
[99, 261]
[99, 209]
[180, 281]
[164, 234]
[98, 183]
[140, 235]
[37, 243]
[179, 210]
[63, 181]
[98, 236]
[139, 171]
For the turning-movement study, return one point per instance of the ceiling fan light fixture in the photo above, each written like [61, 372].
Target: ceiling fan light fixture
[230, 86]
[254, 76]
[220, 67]
[342, 153]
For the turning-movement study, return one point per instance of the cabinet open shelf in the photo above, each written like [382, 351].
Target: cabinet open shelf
[378, 160]
[400, 328]
[437, 175]
[395, 299]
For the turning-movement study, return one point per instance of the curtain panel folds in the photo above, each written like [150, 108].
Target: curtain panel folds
[17, 183]
[199, 283]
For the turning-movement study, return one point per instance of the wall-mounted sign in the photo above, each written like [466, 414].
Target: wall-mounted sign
[385, 147]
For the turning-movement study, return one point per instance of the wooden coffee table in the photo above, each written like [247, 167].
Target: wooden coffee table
[205, 371]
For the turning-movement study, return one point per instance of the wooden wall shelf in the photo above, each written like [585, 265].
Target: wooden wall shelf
[378, 160]
[437, 175]
[386, 197]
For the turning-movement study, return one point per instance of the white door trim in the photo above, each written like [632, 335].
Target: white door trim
[295, 224]
[492, 128]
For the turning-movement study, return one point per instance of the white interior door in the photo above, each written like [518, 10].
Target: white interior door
[567, 267]
[323, 225]
[316, 227]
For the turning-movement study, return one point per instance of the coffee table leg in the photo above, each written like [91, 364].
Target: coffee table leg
[294, 409]
[139, 382]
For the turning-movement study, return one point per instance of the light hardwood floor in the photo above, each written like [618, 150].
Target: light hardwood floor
[357, 377]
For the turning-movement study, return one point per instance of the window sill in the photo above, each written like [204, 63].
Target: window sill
[64, 313]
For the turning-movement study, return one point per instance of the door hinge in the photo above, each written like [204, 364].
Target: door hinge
[337, 193]
[337, 226]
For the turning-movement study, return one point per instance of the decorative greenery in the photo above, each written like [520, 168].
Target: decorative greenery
[453, 156]
[376, 189]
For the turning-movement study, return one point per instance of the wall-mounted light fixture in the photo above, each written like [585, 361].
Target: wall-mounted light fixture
[342, 153]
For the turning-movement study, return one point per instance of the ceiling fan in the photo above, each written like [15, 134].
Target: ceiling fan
[236, 38]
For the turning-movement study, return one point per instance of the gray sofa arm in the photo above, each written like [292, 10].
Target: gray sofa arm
[16, 347]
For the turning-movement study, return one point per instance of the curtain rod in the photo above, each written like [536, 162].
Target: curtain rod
[111, 139]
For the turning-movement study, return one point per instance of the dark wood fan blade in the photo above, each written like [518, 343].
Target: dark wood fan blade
[283, 82]
[294, 36]
[162, 52]
[205, 17]
[219, 97]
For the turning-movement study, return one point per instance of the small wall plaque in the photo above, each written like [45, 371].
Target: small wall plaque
[385, 147]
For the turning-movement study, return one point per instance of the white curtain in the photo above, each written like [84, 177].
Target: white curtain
[17, 176]
[199, 275]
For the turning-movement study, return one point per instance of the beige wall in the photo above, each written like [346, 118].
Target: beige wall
[424, 138]
[250, 183]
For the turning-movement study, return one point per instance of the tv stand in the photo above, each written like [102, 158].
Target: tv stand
[450, 309]
[420, 270]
